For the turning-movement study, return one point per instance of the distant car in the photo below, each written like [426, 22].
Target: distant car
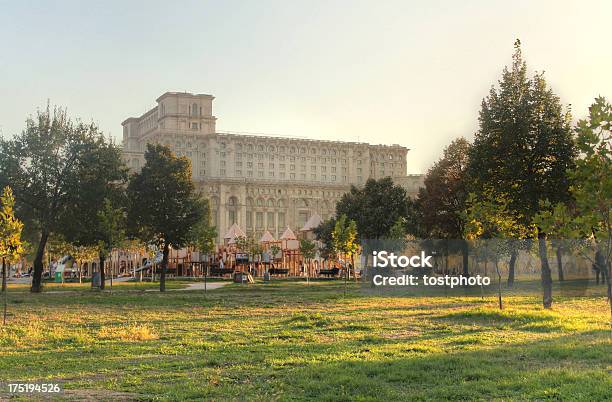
[25, 275]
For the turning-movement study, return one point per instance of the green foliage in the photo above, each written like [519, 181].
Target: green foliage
[491, 227]
[323, 233]
[203, 234]
[523, 148]
[375, 208]
[112, 228]
[53, 167]
[592, 188]
[308, 248]
[164, 206]
[442, 199]
[344, 237]
[398, 230]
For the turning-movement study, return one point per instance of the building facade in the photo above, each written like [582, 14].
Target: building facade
[260, 182]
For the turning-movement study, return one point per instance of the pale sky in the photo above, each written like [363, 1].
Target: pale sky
[406, 72]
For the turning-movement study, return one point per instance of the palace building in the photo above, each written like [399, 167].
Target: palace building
[260, 182]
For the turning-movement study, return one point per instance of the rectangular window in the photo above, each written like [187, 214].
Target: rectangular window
[270, 220]
[281, 220]
[259, 220]
[249, 219]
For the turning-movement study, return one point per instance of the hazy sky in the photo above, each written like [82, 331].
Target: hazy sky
[404, 72]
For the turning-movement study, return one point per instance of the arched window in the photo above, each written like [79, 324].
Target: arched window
[270, 203]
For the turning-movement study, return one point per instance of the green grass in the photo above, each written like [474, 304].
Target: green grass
[290, 341]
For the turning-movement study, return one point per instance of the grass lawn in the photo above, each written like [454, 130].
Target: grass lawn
[291, 341]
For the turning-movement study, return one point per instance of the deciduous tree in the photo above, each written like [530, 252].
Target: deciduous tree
[164, 205]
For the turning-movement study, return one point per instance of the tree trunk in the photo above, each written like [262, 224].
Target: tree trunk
[499, 287]
[465, 252]
[102, 273]
[511, 266]
[38, 263]
[4, 290]
[164, 267]
[3, 274]
[547, 299]
[560, 263]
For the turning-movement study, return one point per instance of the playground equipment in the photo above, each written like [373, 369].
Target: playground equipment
[65, 263]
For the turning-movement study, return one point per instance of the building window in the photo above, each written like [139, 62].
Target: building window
[194, 109]
[194, 126]
[249, 219]
[259, 220]
[281, 220]
[270, 220]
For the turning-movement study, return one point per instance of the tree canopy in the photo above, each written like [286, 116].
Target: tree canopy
[375, 207]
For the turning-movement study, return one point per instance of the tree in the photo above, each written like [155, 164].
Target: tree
[308, 248]
[591, 218]
[345, 239]
[112, 232]
[442, 198]
[490, 220]
[45, 165]
[101, 189]
[592, 184]
[523, 150]
[323, 233]
[164, 206]
[204, 235]
[375, 208]
[11, 245]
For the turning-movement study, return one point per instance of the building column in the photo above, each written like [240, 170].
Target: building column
[242, 196]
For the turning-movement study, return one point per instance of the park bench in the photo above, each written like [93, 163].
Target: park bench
[215, 271]
[278, 271]
[329, 272]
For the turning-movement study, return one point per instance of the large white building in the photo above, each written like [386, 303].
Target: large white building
[260, 182]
